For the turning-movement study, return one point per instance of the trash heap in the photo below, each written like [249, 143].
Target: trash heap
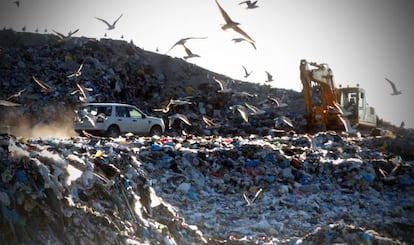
[257, 182]
[118, 71]
[290, 189]
[80, 192]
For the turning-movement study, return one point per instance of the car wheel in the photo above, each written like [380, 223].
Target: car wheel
[113, 131]
[156, 130]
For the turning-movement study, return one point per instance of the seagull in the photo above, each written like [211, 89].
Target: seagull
[180, 102]
[83, 114]
[62, 37]
[164, 109]
[237, 40]
[394, 88]
[254, 110]
[18, 94]
[170, 103]
[189, 53]
[179, 116]
[223, 86]
[246, 74]
[70, 33]
[231, 24]
[209, 123]
[78, 73]
[283, 121]
[243, 94]
[8, 103]
[277, 101]
[250, 4]
[242, 110]
[110, 27]
[84, 95]
[269, 77]
[45, 87]
[257, 195]
[182, 41]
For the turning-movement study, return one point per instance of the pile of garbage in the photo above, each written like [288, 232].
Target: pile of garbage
[223, 180]
[118, 71]
[290, 189]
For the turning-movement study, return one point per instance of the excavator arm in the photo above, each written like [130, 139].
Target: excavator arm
[321, 98]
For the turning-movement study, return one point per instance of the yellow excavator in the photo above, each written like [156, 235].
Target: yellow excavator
[332, 108]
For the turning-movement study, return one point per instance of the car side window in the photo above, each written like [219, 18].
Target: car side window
[122, 111]
[107, 110]
[134, 113]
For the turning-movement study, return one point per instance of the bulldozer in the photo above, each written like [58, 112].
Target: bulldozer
[330, 107]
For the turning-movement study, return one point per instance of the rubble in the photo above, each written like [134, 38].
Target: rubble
[224, 180]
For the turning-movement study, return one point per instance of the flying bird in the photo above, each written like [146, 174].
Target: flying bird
[78, 73]
[237, 40]
[17, 3]
[45, 87]
[251, 201]
[166, 108]
[110, 27]
[84, 93]
[283, 122]
[224, 87]
[18, 94]
[230, 24]
[62, 37]
[8, 103]
[242, 110]
[182, 117]
[269, 77]
[246, 74]
[394, 88]
[277, 101]
[243, 94]
[170, 103]
[250, 4]
[189, 53]
[182, 41]
[85, 115]
[254, 110]
[210, 123]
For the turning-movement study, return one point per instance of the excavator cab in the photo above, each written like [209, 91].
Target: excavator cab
[355, 107]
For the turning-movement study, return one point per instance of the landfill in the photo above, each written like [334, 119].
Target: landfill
[264, 181]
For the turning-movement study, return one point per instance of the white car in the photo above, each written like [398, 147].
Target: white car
[113, 119]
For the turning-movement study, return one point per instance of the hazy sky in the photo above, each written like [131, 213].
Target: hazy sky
[363, 41]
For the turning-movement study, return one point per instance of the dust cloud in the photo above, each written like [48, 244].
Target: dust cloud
[21, 123]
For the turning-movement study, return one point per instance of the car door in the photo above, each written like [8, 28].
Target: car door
[122, 118]
[138, 123]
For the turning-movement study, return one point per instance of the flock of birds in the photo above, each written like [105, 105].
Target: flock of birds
[229, 24]
[224, 87]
